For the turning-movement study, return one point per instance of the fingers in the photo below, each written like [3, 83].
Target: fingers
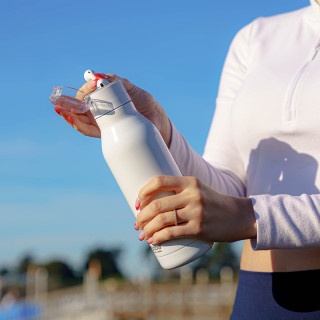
[87, 88]
[84, 123]
[157, 215]
[158, 184]
[163, 220]
[83, 117]
[157, 219]
[91, 86]
[160, 213]
[84, 128]
[182, 230]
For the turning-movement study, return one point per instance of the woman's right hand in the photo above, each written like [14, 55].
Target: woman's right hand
[143, 101]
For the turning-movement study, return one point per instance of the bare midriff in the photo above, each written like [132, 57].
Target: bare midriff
[279, 260]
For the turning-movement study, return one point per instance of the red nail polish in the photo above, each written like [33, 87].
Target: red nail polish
[141, 236]
[137, 204]
[100, 75]
[136, 226]
[150, 240]
[70, 120]
[56, 108]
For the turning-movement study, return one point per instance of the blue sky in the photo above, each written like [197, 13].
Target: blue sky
[57, 196]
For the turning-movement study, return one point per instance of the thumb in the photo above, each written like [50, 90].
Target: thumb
[87, 88]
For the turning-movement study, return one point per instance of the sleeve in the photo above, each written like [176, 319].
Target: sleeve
[286, 222]
[283, 221]
[221, 166]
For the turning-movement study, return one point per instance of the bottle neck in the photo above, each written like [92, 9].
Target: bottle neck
[107, 99]
[110, 118]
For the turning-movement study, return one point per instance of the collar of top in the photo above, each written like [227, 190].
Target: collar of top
[315, 9]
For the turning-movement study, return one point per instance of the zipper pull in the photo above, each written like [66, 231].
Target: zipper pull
[316, 49]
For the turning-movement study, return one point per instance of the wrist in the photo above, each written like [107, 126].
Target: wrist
[167, 131]
[164, 125]
[247, 219]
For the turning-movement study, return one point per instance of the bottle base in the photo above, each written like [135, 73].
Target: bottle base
[184, 255]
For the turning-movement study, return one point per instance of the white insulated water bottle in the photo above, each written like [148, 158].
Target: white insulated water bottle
[135, 153]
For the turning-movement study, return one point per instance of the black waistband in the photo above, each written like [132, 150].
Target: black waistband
[296, 291]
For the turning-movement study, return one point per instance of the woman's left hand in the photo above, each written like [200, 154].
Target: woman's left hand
[201, 212]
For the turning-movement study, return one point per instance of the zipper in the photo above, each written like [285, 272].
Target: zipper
[289, 109]
[316, 50]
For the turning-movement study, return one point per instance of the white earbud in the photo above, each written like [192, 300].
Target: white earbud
[89, 75]
[102, 83]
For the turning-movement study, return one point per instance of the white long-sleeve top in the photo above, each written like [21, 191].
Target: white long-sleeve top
[264, 140]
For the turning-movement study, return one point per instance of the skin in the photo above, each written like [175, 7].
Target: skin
[201, 211]
[144, 102]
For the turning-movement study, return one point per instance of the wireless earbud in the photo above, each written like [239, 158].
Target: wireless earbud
[89, 75]
[102, 83]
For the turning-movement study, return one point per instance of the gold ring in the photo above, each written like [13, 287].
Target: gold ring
[175, 217]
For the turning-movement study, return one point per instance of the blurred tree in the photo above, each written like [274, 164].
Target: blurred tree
[4, 271]
[108, 260]
[59, 268]
[221, 255]
[61, 274]
[23, 264]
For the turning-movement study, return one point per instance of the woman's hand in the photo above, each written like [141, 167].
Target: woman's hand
[201, 212]
[83, 122]
[143, 101]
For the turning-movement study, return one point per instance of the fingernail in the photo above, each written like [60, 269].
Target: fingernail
[91, 85]
[100, 75]
[141, 236]
[136, 226]
[70, 120]
[137, 204]
[56, 108]
[149, 241]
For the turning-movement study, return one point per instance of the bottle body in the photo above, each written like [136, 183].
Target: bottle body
[135, 153]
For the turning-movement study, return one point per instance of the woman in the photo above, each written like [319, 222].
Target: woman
[258, 179]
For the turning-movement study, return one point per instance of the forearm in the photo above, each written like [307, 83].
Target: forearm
[192, 164]
[286, 222]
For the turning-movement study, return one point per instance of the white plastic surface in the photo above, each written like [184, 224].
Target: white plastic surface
[135, 153]
[89, 75]
[102, 83]
[108, 98]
